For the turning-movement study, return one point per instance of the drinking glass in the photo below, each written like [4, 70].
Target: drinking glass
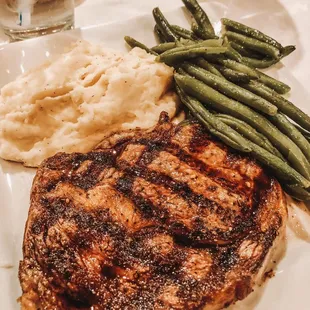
[23, 19]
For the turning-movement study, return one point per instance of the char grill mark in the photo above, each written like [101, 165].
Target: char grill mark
[153, 158]
[118, 228]
[149, 208]
[197, 150]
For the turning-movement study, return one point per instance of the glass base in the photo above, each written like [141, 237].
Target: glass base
[23, 34]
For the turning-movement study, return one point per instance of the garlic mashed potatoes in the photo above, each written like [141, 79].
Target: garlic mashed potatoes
[71, 103]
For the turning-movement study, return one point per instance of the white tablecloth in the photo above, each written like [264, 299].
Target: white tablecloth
[90, 12]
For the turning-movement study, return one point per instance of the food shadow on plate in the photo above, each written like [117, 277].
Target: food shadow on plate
[10, 167]
[299, 219]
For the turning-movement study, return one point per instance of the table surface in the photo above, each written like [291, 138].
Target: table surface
[86, 13]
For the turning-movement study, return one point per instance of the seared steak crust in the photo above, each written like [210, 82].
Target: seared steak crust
[160, 219]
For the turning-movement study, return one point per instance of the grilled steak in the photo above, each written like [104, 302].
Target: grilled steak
[166, 218]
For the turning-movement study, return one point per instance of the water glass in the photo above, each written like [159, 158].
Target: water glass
[23, 19]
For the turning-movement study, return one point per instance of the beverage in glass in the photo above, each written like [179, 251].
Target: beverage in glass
[22, 19]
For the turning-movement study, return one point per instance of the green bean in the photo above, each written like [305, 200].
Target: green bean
[190, 45]
[160, 36]
[206, 65]
[183, 41]
[163, 47]
[304, 132]
[250, 133]
[199, 15]
[207, 43]
[281, 169]
[201, 33]
[289, 129]
[228, 141]
[211, 42]
[184, 33]
[230, 89]
[164, 26]
[215, 59]
[284, 106]
[182, 71]
[215, 126]
[276, 85]
[204, 44]
[267, 62]
[233, 76]
[231, 64]
[260, 63]
[254, 44]
[244, 51]
[287, 50]
[170, 57]
[233, 54]
[134, 43]
[254, 33]
[297, 192]
[220, 102]
[279, 87]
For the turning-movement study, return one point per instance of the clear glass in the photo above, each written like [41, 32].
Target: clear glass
[23, 19]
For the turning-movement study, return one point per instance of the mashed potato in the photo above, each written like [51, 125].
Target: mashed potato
[71, 103]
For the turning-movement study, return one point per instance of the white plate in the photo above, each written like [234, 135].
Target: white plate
[289, 288]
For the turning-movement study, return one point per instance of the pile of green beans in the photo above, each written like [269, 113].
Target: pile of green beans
[264, 139]
[230, 89]
[219, 82]
[257, 49]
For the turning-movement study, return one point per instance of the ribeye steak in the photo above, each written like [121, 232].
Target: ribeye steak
[167, 218]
